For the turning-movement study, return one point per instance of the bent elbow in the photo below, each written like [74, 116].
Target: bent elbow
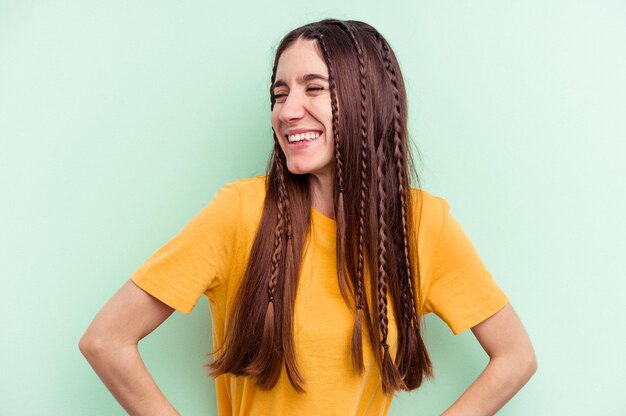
[529, 365]
[85, 345]
[532, 367]
[91, 346]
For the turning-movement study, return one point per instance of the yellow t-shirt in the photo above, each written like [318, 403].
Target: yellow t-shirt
[210, 254]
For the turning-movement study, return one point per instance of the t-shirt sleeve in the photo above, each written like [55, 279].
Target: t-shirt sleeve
[462, 291]
[198, 258]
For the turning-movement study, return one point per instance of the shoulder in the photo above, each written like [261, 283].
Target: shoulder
[249, 186]
[427, 197]
[251, 191]
[428, 208]
[244, 196]
[244, 189]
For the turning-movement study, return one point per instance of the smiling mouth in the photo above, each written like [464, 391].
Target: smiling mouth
[303, 137]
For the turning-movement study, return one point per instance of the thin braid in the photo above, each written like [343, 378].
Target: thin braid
[357, 340]
[278, 241]
[392, 380]
[382, 250]
[270, 352]
[282, 191]
[293, 373]
[412, 360]
[399, 154]
[335, 111]
[340, 214]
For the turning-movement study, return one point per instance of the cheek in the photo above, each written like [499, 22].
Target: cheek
[276, 129]
[274, 120]
[327, 117]
[325, 112]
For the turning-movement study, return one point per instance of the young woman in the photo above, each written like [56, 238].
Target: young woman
[319, 272]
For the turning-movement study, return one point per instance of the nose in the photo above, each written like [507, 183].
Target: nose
[292, 108]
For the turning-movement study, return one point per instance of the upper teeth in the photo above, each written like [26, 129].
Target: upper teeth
[303, 136]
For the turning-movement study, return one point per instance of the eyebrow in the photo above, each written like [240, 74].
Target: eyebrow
[301, 80]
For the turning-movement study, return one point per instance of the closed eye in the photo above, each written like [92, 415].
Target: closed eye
[279, 96]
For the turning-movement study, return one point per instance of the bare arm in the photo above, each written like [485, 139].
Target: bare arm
[511, 364]
[110, 346]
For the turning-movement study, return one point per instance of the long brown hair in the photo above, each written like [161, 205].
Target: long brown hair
[375, 235]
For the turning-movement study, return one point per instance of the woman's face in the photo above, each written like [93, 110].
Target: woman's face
[302, 116]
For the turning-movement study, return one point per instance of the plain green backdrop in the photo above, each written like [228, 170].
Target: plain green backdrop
[119, 120]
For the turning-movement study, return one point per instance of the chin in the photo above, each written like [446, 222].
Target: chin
[298, 168]
[298, 171]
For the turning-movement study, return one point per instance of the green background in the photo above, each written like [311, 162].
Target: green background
[119, 120]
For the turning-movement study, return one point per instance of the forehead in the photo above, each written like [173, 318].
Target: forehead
[302, 57]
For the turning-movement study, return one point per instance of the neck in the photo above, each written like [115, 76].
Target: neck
[322, 193]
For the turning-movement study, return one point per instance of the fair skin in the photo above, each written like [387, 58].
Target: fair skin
[303, 104]
[511, 364]
[299, 104]
[110, 344]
